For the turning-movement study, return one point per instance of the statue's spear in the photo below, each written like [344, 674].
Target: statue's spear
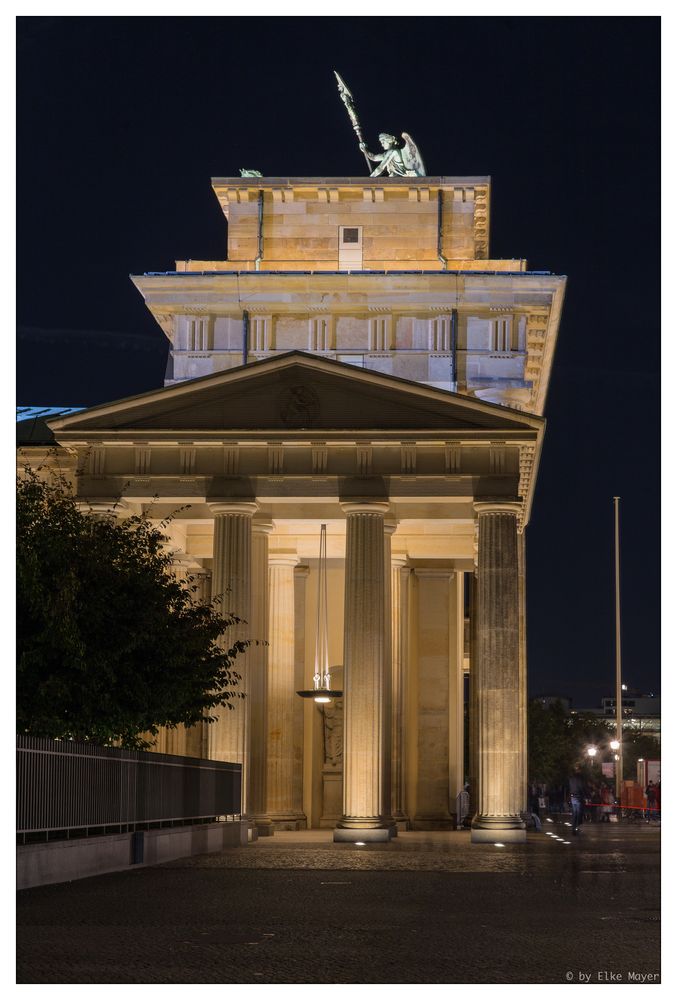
[349, 102]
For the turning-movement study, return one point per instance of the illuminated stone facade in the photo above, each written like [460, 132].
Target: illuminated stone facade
[343, 367]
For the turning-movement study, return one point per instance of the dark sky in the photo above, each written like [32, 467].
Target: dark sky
[123, 121]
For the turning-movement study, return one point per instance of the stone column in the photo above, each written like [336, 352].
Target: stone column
[400, 647]
[429, 804]
[257, 663]
[499, 800]
[300, 577]
[230, 737]
[524, 776]
[281, 695]
[363, 656]
[473, 767]
[456, 724]
[389, 528]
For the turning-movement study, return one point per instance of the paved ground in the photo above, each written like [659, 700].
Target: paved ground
[296, 908]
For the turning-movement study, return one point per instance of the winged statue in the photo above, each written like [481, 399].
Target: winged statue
[398, 159]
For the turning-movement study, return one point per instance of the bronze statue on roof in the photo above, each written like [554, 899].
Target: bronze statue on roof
[398, 160]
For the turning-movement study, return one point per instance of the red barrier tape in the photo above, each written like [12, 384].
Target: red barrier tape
[643, 808]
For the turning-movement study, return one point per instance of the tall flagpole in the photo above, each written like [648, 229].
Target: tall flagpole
[619, 685]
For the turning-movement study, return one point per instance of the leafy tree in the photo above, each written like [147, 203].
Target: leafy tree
[558, 741]
[110, 644]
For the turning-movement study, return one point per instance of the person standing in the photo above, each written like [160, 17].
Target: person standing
[576, 798]
[651, 799]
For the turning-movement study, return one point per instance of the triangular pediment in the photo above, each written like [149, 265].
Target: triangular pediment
[297, 392]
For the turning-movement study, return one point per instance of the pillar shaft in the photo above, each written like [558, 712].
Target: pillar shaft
[387, 687]
[524, 777]
[230, 735]
[300, 578]
[281, 695]
[257, 663]
[499, 799]
[400, 643]
[364, 650]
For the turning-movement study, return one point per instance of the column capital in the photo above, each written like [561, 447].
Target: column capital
[283, 559]
[365, 507]
[497, 507]
[262, 526]
[102, 508]
[233, 507]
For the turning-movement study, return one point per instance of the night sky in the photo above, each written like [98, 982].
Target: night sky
[123, 121]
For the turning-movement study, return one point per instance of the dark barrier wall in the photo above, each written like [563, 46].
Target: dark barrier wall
[63, 785]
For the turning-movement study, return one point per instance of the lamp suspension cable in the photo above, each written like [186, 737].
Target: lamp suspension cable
[321, 675]
[321, 691]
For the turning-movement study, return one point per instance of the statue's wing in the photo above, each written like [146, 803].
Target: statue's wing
[413, 160]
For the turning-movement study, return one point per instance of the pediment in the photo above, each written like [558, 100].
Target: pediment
[296, 392]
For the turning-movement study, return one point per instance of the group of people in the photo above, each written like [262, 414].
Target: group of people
[588, 800]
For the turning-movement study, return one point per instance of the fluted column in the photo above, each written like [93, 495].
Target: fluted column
[257, 662]
[230, 736]
[281, 694]
[524, 777]
[389, 528]
[364, 814]
[499, 800]
[301, 574]
[400, 642]
[473, 708]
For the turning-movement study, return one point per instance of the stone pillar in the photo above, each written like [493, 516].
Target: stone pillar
[524, 776]
[430, 802]
[257, 663]
[456, 722]
[300, 577]
[230, 736]
[281, 695]
[363, 655]
[400, 648]
[389, 528]
[472, 699]
[499, 801]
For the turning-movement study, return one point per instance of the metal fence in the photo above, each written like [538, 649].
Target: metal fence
[65, 787]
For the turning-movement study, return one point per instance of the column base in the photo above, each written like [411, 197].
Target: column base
[498, 829]
[368, 836]
[298, 822]
[432, 824]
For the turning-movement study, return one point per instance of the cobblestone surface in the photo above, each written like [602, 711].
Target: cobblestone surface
[296, 908]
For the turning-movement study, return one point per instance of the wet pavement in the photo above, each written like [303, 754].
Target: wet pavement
[297, 908]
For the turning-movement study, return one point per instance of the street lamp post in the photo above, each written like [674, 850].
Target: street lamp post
[619, 685]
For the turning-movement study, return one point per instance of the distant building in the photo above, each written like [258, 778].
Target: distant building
[546, 700]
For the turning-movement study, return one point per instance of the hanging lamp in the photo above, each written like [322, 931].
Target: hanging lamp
[321, 691]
